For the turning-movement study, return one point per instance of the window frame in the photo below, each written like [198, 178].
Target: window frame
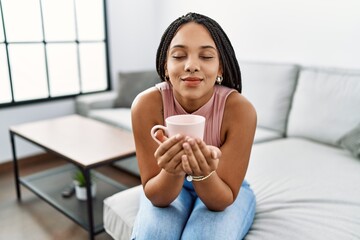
[44, 42]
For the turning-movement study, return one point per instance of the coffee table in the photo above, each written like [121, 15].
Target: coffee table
[86, 144]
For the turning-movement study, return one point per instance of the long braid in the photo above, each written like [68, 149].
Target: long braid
[228, 60]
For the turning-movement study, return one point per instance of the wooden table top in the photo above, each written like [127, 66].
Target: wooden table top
[82, 140]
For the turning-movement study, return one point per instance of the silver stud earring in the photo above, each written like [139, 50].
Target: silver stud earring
[219, 79]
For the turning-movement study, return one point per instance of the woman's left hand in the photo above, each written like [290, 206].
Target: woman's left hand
[199, 159]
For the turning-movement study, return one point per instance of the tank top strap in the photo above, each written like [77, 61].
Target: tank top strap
[217, 109]
[167, 99]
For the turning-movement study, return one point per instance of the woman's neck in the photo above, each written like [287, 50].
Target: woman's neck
[192, 105]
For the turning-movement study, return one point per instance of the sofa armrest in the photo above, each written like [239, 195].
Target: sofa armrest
[85, 103]
[120, 211]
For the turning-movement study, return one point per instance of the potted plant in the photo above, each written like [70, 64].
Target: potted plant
[80, 185]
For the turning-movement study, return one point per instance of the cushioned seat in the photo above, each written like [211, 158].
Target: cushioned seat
[119, 117]
[263, 135]
[297, 198]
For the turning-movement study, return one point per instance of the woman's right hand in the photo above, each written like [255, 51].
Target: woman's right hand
[168, 154]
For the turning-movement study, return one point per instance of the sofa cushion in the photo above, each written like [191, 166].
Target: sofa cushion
[85, 103]
[351, 141]
[304, 190]
[326, 105]
[270, 88]
[264, 135]
[132, 83]
[119, 117]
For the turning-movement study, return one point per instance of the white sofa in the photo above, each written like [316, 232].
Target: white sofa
[305, 162]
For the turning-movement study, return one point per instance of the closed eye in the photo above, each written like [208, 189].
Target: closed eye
[207, 57]
[178, 57]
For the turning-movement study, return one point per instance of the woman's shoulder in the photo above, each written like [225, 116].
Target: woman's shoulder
[147, 100]
[239, 105]
[239, 117]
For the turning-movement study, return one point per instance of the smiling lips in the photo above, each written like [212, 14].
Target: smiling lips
[192, 81]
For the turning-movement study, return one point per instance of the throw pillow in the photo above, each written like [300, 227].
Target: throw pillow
[270, 88]
[132, 83]
[351, 141]
[324, 104]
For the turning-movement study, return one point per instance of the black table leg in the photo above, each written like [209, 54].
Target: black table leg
[89, 203]
[16, 168]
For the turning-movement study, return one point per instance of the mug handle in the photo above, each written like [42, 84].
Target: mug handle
[155, 128]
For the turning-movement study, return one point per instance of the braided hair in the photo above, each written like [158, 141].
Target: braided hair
[228, 60]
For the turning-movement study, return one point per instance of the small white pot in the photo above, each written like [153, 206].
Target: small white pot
[81, 191]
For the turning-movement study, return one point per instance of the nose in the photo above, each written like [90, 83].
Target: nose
[192, 65]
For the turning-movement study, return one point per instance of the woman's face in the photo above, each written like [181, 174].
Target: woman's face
[192, 65]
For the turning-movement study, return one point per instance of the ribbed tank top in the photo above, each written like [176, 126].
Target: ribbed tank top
[213, 110]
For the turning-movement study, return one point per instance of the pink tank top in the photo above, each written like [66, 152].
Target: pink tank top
[213, 110]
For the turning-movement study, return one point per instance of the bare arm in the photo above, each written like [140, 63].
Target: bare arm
[237, 133]
[161, 173]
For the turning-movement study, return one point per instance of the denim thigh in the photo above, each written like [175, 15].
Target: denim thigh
[163, 223]
[231, 224]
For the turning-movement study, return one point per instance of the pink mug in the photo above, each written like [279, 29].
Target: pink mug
[185, 124]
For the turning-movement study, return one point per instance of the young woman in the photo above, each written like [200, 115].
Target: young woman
[200, 75]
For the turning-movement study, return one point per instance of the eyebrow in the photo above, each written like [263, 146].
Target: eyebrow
[202, 47]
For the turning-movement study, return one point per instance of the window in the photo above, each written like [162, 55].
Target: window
[52, 49]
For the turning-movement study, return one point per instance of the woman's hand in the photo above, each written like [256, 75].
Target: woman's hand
[199, 159]
[168, 154]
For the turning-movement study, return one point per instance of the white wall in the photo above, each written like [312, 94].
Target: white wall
[132, 39]
[308, 32]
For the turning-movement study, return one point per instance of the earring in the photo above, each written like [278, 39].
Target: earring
[219, 79]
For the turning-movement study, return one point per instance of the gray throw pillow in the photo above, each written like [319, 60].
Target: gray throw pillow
[351, 141]
[132, 83]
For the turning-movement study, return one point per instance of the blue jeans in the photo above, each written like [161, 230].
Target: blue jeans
[188, 218]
